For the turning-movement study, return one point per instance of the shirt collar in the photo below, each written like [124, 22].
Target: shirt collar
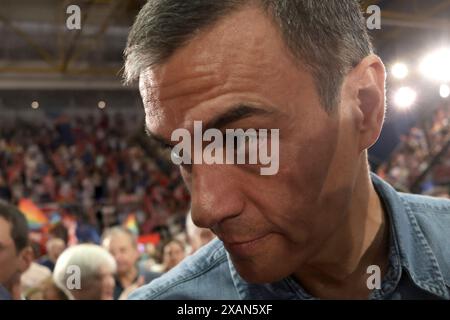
[408, 243]
[416, 255]
[4, 294]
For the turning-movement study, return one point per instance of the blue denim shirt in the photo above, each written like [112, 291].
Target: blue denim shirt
[4, 294]
[419, 261]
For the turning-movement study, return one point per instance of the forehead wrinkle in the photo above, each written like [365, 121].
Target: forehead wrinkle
[188, 86]
[184, 114]
[219, 78]
[166, 84]
[200, 77]
[199, 69]
[227, 59]
[225, 65]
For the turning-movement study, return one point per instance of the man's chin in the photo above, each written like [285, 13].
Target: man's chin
[269, 262]
[255, 273]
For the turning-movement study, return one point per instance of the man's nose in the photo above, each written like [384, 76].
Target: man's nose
[215, 194]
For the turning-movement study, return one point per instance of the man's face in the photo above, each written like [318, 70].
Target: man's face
[10, 260]
[55, 248]
[8, 255]
[123, 251]
[262, 220]
[173, 254]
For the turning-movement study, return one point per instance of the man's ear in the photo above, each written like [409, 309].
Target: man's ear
[369, 81]
[25, 258]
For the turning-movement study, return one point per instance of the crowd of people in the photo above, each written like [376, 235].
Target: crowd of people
[96, 168]
[101, 167]
[421, 163]
[85, 271]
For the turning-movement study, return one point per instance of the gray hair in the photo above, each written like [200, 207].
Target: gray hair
[89, 258]
[329, 37]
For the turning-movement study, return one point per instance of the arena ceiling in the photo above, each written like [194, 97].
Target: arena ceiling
[38, 52]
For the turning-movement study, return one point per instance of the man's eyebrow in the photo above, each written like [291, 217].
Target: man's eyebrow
[234, 114]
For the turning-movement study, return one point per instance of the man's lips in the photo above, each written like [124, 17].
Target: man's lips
[230, 241]
[246, 247]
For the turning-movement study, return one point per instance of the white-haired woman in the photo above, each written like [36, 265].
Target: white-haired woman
[86, 272]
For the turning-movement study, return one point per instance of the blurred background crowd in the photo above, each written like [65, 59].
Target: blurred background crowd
[96, 183]
[421, 161]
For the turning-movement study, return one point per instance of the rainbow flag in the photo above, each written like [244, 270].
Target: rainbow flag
[131, 224]
[153, 238]
[35, 217]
